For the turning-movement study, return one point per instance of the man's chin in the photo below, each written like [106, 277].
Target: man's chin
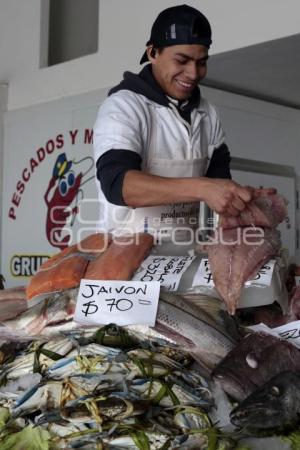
[180, 95]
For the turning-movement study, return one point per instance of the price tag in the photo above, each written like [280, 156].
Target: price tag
[167, 270]
[290, 332]
[264, 275]
[203, 276]
[119, 302]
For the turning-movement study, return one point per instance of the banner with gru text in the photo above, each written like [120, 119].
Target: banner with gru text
[49, 191]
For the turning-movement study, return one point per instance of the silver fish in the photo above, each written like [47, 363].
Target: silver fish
[193, 328]
[57, 307]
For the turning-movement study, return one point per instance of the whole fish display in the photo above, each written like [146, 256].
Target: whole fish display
[12, 302]
[275, 405]
[235, 257]
[266, 210]
[57, 308]
[193, 328]
[255, 360]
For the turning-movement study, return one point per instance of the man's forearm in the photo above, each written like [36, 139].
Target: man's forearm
[143, 189]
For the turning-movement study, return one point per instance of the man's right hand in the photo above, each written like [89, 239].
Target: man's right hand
[226, 196]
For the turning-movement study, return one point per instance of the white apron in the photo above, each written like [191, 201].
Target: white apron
[169, 147]
[175, 223]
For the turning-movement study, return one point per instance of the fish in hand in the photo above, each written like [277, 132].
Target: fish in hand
[235, 257]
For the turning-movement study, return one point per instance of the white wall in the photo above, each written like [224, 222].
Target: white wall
[124, 28]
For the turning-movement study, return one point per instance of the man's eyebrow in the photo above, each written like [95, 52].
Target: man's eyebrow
[183, 55]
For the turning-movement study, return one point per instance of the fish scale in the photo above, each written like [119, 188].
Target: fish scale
[178, 319]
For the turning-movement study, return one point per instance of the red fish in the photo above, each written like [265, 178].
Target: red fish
[234, 259]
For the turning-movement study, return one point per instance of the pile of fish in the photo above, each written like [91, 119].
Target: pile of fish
[95, 257]
[68, 386]
[241, 245]
[198, 323]
[76, 392]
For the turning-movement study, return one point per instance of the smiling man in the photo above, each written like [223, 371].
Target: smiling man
[159, 145]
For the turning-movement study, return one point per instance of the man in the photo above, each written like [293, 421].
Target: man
[159, 146]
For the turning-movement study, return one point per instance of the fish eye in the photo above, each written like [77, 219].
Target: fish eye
[275, 391]
[71, 179]
[63, 187]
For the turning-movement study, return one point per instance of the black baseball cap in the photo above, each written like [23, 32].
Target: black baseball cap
[179, 25]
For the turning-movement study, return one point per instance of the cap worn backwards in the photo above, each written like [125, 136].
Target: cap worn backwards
[179, 25]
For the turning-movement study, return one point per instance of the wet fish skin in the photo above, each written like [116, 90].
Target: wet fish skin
[235, 259]
[12, 302]
[253, 362]
[193, 328]
[276, 404]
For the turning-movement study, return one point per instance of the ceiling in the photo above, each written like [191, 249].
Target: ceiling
[268, 71]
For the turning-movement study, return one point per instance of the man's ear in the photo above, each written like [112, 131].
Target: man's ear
[151, 53]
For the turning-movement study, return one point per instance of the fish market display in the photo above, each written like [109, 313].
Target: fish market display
[234, 259]
[194, 329]
[94, 244]
[58, 307]
[65, 270]
[209, 335]
[266, 210]
[276, 404]
[12, 302]
[242, 244]
[82, 394]
[257, 358]
[121, 259]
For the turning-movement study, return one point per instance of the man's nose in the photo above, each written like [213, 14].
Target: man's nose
[192, 71]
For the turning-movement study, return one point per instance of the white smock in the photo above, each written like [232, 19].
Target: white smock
[169, 147]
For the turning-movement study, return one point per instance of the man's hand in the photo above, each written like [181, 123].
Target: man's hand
[224, 196]
[227, 197]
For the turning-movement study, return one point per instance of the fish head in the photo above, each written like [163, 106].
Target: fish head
[231, 383]
[273, 405]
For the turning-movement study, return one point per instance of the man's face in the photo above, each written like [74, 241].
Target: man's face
[179, 68]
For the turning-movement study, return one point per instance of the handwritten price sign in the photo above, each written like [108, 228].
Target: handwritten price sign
[290, 332]
[168, 270]
[203, 276]
[120, 302]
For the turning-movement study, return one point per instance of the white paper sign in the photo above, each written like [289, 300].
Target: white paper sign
[120, 302]
[297, 280]
[203, 276]
[289, 332]
[264, 275]
[167, 270]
